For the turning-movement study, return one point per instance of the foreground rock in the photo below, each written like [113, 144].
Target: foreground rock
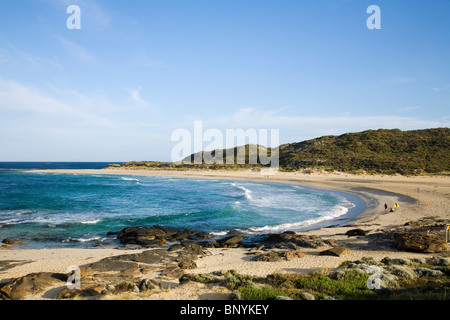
[419, 242]
[291, 239]
[233, 241]
[154, 236]
[10, 242]
[356, 233]
[122, 274]
[273, 256]
[336, 252]
[20, 288]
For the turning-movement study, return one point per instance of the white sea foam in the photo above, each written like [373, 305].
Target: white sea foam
[90, 221]
[218, 233]
[296, 226]
[82, 239]
[247, 192]
[130, 179]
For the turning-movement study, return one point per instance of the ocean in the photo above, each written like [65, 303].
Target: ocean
[53, 210]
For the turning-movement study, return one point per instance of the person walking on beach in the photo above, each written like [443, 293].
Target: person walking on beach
[385, 206]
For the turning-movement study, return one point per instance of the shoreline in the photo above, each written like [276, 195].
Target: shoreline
[432, 201]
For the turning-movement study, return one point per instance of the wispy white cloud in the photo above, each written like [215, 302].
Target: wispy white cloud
[142, 60]
[75, 49]
[17, 97]
[11, 51]
[135, 95]
[48, 122]
[440, 89]
[410, 108]
[136, 101]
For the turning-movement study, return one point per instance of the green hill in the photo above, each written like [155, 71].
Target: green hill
[375, 151]
[241, 154]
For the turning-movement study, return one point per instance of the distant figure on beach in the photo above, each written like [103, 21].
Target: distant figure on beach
[392, 210]
[385, 206]
[396, 205]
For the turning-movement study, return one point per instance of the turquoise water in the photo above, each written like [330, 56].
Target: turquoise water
[54, 210]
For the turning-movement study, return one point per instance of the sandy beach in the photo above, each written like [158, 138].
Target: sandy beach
[418, 196]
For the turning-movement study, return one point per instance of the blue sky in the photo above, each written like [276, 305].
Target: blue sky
[116, 89]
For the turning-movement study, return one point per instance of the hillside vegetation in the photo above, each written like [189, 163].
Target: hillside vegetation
[378, 151]
[374, 151]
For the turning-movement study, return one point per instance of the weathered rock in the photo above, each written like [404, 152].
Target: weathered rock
[273, 256]
[268, 257]
[148, 284]
[19, 288]
[187, 264]
[356, 232]
[154, 256]
[289, 238]
[126, 286]
[192, 248]
[283, 298]
[307, 296]
[149, 233]
[127, 234]
[419, 242]
[153, 236]
[89, 290]
[113, 264]
[290, 255]
[175, 247]
[230, 241]
[67, 293]
[336, 252]
[172, 272]
[10, 242]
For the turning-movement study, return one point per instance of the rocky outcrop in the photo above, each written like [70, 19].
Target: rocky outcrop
[335, 252]
[20, 288]
[270, 256]
[112, 275]
[356, 232]
[154, 236]
[291, 239]
[419, 242]
[10, 242]
[273, 256]
[232, 241]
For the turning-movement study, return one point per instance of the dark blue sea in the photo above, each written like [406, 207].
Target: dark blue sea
[50, 210]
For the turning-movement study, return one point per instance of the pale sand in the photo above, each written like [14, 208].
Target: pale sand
[433, 200]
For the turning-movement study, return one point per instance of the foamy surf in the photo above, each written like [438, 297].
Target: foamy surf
[247, 192]
[295, 226]
[130, 179]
